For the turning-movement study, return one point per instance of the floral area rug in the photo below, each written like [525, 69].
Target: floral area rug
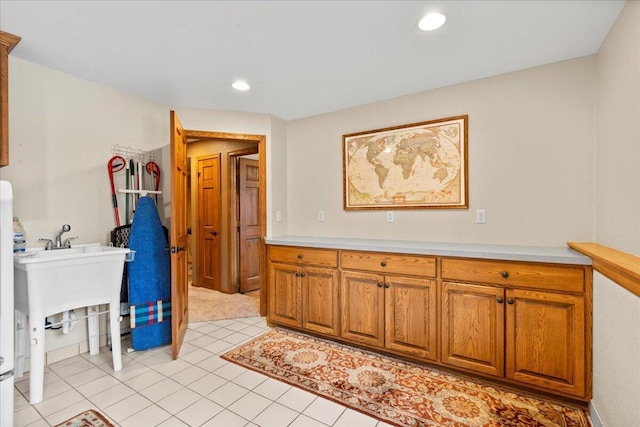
[90, 418]
[394, 391]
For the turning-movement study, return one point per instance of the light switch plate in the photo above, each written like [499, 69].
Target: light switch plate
[389, 216]
[481, 216]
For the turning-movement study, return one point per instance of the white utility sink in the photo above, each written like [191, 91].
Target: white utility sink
[53, 281]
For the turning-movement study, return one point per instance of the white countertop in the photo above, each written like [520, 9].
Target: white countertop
[547, 254]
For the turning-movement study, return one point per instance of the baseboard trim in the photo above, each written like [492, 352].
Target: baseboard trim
[595, 415]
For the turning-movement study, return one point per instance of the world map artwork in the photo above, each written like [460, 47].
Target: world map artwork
[412, 167]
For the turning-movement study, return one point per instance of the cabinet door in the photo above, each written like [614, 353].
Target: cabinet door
[284, 294]
[473, 327]
[410, 314]
[362, 304]
[320, 300]
[545, 340]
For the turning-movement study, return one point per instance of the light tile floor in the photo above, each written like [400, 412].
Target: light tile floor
[198, 389]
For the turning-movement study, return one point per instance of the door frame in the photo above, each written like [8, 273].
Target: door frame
[261, 141]
[232, 239]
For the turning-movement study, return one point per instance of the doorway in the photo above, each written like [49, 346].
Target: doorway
[229, 148]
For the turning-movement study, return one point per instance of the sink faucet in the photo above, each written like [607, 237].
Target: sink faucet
[63, 230]
[58, 243]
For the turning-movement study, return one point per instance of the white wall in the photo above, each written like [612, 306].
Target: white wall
[531, 143]
[277, 178]
[616, 311]
[61, 132]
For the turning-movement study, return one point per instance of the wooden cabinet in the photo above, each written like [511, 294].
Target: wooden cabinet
[473, 327]
[7, 43]
[533, 336]
[524, 323]
[390, 311]
[303, 288]
[545, 340]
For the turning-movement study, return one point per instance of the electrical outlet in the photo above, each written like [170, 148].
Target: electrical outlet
[320, 215]
[389, 216]
[481, 217]
[279, 216]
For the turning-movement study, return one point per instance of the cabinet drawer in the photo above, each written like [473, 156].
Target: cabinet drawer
[291, 254]
[557, 277]
[414, 265]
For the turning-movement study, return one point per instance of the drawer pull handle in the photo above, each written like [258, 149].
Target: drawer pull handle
[510, 301]
[500, 300]
[299, 256]
[379, 284]
[383, 263]
[505, 274]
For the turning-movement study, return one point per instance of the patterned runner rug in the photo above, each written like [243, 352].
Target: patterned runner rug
[394, 391]
[90, 418]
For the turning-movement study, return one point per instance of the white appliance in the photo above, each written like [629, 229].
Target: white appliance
[7, 314]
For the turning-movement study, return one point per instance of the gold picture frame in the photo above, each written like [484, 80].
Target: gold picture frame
[415, 166]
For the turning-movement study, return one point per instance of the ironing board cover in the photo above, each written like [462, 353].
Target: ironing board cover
[149, 279]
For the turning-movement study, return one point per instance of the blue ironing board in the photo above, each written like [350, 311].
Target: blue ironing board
[149, 279]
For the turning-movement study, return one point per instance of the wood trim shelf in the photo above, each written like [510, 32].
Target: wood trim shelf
[621, 267]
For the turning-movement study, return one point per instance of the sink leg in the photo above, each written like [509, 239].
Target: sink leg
[93, 324]
[36, 358]
[114, 317]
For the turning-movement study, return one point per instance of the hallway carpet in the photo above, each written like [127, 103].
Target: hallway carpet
[394, 391]
[205, 304]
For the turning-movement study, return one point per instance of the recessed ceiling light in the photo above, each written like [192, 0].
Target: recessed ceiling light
[240, 85]
[432, 21]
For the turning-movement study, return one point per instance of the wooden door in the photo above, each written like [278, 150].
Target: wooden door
[178, 234]
[410, 315]
[284, 294]
[209, 228]
[473, 327]
[249, 227]
[320, 300]
[362, 303]
[545, 340]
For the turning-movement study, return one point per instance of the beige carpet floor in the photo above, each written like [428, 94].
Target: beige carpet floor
[205, 304]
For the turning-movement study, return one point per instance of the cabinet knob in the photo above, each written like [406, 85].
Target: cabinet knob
[383, 263]
[387, 286]
[297, 274]
[505, 274]
[379, 284]
[299, 256]
[510, 301]
[500, 300]
[302, 274]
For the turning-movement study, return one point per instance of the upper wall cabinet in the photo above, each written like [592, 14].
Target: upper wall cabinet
[7, 43]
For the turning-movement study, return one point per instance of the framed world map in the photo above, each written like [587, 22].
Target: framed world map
[415, 166]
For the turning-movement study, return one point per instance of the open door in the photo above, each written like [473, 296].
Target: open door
[178, 235]
[249, 225]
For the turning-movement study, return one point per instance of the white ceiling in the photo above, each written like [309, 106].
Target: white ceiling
[302, 58]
